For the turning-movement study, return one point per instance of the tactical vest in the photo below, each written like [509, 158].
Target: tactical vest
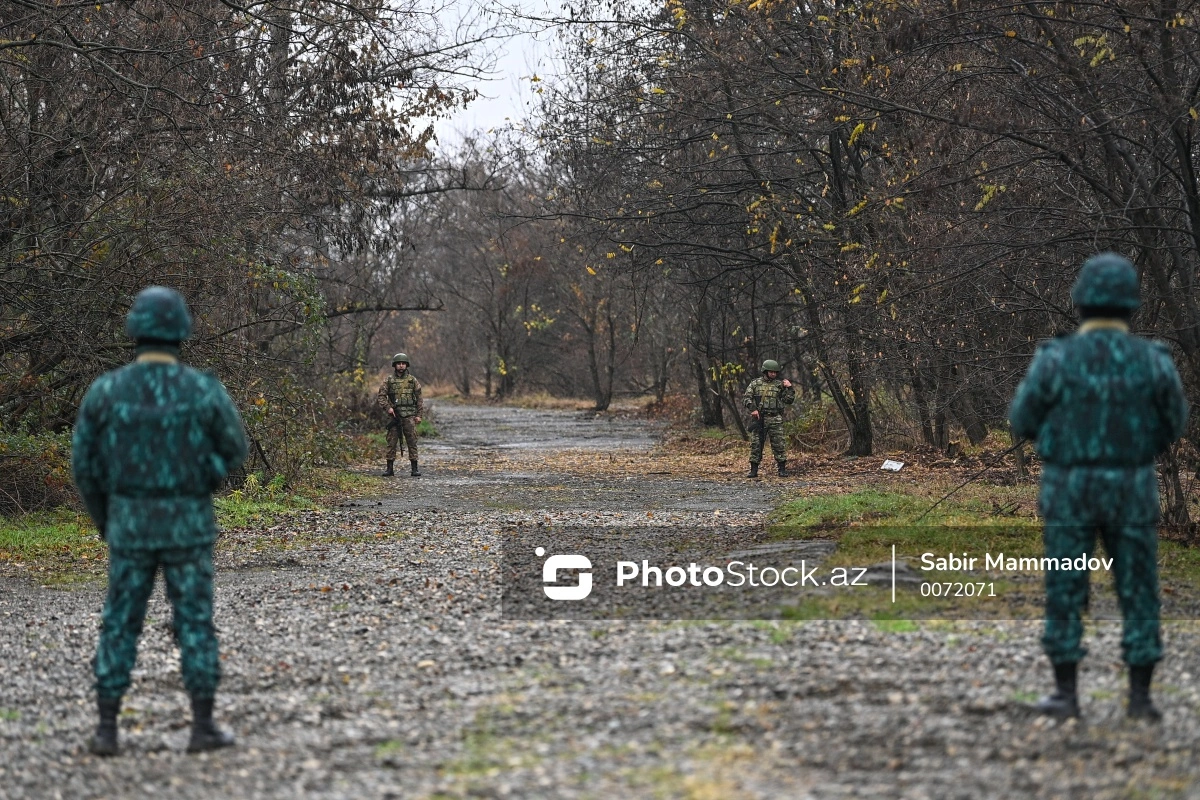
[401, 392]
[768, 397]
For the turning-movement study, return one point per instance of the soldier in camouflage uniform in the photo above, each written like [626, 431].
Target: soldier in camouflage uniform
[400, 397]
[1101, 405]
[766, 397]
[153, 440]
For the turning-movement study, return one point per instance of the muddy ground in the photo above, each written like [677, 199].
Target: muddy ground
[365, 655]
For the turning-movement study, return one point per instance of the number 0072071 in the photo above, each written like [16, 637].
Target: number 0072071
[959, 589]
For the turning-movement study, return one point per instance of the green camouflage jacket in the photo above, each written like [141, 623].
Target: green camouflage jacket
[768, 396]
[1100, 397]
[404, 392]
[152, 441]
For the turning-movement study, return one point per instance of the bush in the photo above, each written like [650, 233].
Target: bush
[425, 427]
[35, 472]
[293, 429]
[815, 426]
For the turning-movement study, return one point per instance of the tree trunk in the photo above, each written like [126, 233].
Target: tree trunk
[861, 440]
[464, 379]
[923, 411]
[594, 367]
[1175, 511]
[964, 407]
[709, 393]
[487, 373]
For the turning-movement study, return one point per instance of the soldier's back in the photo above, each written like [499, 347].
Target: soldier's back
[1110, 397]
[156, 424]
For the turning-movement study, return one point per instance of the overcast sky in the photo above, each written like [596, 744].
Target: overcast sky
[508, 97]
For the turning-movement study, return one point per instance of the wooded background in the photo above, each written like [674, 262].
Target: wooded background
[891, 198]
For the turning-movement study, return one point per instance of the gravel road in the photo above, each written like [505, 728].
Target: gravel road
[365, 656]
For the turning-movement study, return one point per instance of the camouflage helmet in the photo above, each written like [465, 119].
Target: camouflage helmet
[159, 314]
[1107, 280]
[399, 357]
[770, 365]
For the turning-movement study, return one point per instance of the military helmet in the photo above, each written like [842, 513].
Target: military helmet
[1107, 280]
[159, 314]
[396, 359]
[770, 365]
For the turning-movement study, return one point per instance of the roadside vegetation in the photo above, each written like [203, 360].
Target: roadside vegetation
[61, 546]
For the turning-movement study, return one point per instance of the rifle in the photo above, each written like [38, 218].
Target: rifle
[391, 395]
[762, 425]
[394, 422]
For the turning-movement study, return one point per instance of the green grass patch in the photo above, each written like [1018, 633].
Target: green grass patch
[1179, 564]
[51, 541]
[389, 749]
[62, 547]
[874, 507]
[259, 504]
[234, 511]
[890, 625]
[867, 524]
[779, 632]
[426, 428]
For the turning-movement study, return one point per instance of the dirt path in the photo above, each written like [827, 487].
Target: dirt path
[366, 656]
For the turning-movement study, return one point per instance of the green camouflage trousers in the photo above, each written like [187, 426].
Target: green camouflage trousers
[408, 427]
[774, 425]
[1121, 505]
[188, 573]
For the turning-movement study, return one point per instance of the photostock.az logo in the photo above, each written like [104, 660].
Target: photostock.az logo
[550, 575]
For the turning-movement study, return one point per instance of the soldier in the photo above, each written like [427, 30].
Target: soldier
[400, 396]
[153, 440]
[765, 397]
[1101, 405]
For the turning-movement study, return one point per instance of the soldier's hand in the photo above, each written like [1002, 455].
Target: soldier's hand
[391, 412]
[787, 383]
[416, 420]
[754, 414]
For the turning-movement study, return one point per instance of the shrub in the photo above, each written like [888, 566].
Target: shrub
[35, 472]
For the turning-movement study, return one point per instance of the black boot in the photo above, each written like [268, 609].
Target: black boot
[205, 733]
[1140, 704]
[416, 473]
[782, 466]
[104, 743]
[1065, 700]
[753, 473]
[389, 472]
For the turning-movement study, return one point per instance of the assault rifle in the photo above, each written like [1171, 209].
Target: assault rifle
[762, 425]
[394, 422]
[391, 396]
